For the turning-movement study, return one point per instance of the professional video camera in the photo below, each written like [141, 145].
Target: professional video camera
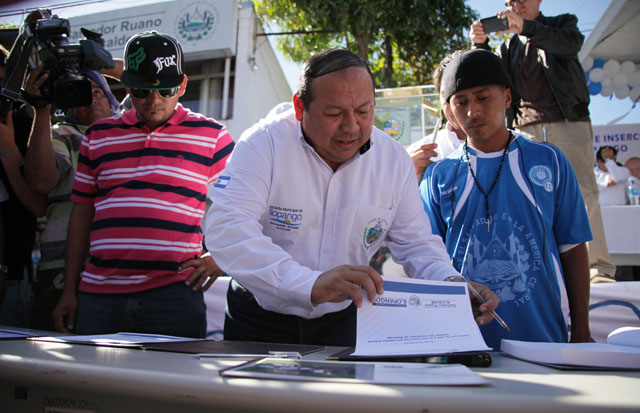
[43, 38]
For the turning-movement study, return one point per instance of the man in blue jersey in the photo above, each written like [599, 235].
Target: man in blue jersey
[510, 211]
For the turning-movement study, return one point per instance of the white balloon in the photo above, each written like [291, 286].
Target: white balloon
[606, 91]
[606, 81]
[620, 79]
[622, 92]
[612, 67]
[596, 75]
[588, 63]
[634, 79]
[627, 67]
[634, 94]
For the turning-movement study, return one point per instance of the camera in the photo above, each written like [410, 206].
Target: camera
[44, 38]
[494, 24]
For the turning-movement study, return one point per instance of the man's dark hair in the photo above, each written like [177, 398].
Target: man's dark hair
[439, 70]
[599, 153]
[325, 62]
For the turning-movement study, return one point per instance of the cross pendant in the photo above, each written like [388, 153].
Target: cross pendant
[488, 225]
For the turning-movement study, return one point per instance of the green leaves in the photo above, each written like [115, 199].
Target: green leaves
[409, 37]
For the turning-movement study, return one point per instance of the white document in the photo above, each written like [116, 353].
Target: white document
[574, 354]
[352, 372]
[418, 317]
[10, 333]
[116, 339]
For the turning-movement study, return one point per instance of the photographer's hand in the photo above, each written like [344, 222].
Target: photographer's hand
[35, 79]
[477, 33]
[40, 160]
[516, 22]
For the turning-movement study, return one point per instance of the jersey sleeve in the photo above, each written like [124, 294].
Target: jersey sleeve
[431, 201]
[570, 222]
[414, 242]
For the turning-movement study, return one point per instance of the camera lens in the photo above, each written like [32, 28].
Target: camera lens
[72, 91]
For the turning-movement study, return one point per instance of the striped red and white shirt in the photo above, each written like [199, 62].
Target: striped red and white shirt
[149, 190]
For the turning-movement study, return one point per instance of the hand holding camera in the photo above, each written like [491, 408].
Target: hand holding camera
[43, 42]
[516, 22]
[505, 21]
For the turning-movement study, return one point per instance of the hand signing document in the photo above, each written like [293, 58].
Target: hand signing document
[418, 317]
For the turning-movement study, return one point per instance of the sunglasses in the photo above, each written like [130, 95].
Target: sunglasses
[513, 2]
[145, 93]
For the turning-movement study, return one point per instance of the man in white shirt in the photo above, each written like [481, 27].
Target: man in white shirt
[611, 177]
[307, 197]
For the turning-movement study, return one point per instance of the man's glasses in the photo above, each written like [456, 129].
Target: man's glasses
[510, 3]
[145, 93]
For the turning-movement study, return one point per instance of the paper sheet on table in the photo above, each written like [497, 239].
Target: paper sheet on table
[350, 372]
[9, 333]
[418, 317]
[116, 339]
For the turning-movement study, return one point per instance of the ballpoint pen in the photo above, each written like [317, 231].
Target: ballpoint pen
[475, 292]
[436, 129]
[482, 300]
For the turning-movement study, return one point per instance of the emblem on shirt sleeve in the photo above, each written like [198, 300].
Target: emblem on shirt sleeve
[222, 182]
[373, 232]
[541, 176]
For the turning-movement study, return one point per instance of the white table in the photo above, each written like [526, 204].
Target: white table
[88, 378]
[622, 231]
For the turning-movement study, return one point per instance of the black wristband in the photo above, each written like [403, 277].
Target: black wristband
[37, 102]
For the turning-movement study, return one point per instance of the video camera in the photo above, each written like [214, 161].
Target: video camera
[43, 38]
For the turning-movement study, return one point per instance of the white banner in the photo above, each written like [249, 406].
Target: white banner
[625, 138]
[204, 28]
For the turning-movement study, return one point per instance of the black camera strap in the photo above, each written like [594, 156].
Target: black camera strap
[17, 66]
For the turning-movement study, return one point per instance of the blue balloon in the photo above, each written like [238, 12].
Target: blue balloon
[598, 63]
[595, 88]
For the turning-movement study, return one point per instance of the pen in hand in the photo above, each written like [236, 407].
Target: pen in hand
[482, 300]
[475, 292]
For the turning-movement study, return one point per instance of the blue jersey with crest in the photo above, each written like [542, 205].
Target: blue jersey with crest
[536, 211]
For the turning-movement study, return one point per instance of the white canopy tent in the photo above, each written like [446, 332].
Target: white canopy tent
[616, 35]
[611, 56]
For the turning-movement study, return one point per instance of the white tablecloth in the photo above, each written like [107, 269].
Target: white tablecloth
[622, 231]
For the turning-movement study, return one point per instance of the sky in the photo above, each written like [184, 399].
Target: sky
[603, 110]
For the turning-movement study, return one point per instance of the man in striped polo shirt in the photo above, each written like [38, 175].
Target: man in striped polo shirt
[139, 197]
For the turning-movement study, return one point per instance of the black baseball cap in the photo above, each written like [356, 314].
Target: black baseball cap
[152, 60]
[476, 67]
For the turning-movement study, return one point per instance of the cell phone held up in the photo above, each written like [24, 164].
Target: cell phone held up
[494, 24]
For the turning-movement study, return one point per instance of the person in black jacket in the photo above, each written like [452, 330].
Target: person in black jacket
[542, 59]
